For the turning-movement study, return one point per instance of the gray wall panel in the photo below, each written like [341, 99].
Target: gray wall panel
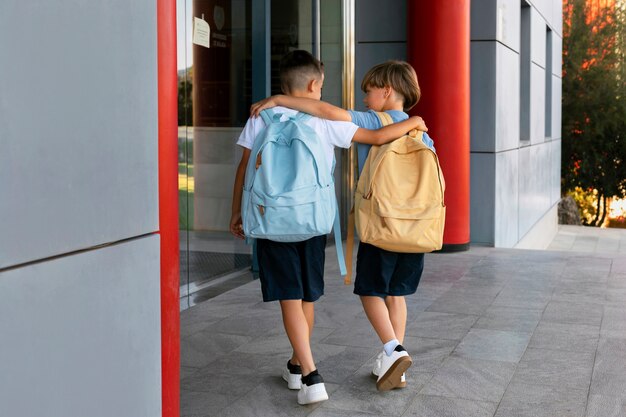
[507, 111]
[482, 200]
[496, 20]
[483, 97]
[506, 199]
[381, 21]
[78, 125]
[81, 334]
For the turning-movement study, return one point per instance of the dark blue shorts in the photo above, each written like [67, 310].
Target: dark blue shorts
[292, 270]
[381, 273]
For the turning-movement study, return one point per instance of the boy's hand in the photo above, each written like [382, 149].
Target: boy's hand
[236, 227]
[266, 103]
[421, 125]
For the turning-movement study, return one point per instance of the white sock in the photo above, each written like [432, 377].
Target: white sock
[390, 346]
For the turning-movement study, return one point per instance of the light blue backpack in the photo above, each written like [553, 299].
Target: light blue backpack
[289, 193]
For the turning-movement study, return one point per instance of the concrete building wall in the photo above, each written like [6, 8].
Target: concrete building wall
[380, 36]
[516, 118]
[79, 260]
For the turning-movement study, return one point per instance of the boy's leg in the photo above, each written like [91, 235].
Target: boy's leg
[378, 315]
[396, 306]
[309, 312]
[390, 366]
[298, 332]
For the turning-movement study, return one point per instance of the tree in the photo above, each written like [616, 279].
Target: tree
[594, 100]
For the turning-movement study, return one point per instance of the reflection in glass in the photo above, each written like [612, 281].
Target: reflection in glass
[214, 97]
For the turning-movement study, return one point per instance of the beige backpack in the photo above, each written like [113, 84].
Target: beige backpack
[399, 201]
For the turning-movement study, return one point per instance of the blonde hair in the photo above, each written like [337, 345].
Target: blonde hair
[398, 75]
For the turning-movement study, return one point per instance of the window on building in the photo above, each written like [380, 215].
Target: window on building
[525, 65]
[548, 83]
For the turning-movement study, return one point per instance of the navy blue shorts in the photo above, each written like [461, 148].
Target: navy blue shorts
[382, 273]
[292, 270]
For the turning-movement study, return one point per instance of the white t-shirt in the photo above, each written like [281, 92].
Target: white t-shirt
[332, 133]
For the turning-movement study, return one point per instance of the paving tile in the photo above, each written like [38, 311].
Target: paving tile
[603, 406]
[201, 404]
[618, 265]
[432, 290]
[608, 385]
[573, 313]
[493, 345]
[509, 319]
[338, 363]
[522, 400]
[250, 323]
[571, 290]
[325, 411]
[477, 286]
[359, 394]
[357, 332]
[203, 348]
[514, 298]
[614, 322]
[223, 384]
[440, 325]
[611, 356]
[543, 282]
[242, 365]
[269, 398]
[187, 371]
[428, 354]
[456, 301]
[570, 337]
[555, 368]
[427, 405]
[471, 379]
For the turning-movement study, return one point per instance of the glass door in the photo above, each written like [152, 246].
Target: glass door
[230, 62]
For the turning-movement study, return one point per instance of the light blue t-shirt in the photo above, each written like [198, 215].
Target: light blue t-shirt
[369, 120]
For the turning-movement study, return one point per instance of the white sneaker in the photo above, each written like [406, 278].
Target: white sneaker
[391, 369]
[293, 375]
[378, 364]
[376, 370]
[314, 392]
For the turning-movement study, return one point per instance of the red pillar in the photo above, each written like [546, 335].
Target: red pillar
[438, 47]
[168, 206]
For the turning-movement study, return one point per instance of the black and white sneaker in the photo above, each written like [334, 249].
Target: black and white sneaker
[293, 375]
[313, 389]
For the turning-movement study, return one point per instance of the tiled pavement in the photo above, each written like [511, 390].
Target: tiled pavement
[492, 332]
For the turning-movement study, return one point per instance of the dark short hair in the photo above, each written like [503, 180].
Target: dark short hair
[297, 68]
[398, 75]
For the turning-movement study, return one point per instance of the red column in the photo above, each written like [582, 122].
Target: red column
[438, 47]
[168, 206]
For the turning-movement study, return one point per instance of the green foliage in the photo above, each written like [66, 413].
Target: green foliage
[594, 101]
[587, 202]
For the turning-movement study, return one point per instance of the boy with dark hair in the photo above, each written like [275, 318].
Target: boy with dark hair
[383, 278]
[292, 272]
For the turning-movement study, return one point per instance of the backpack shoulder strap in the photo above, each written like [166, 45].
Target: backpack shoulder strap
[338, 243]
[269, 116]
[385, 118]
[302, 117]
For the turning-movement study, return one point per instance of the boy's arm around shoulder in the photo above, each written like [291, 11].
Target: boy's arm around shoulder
[311, 106]
[388, 133]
